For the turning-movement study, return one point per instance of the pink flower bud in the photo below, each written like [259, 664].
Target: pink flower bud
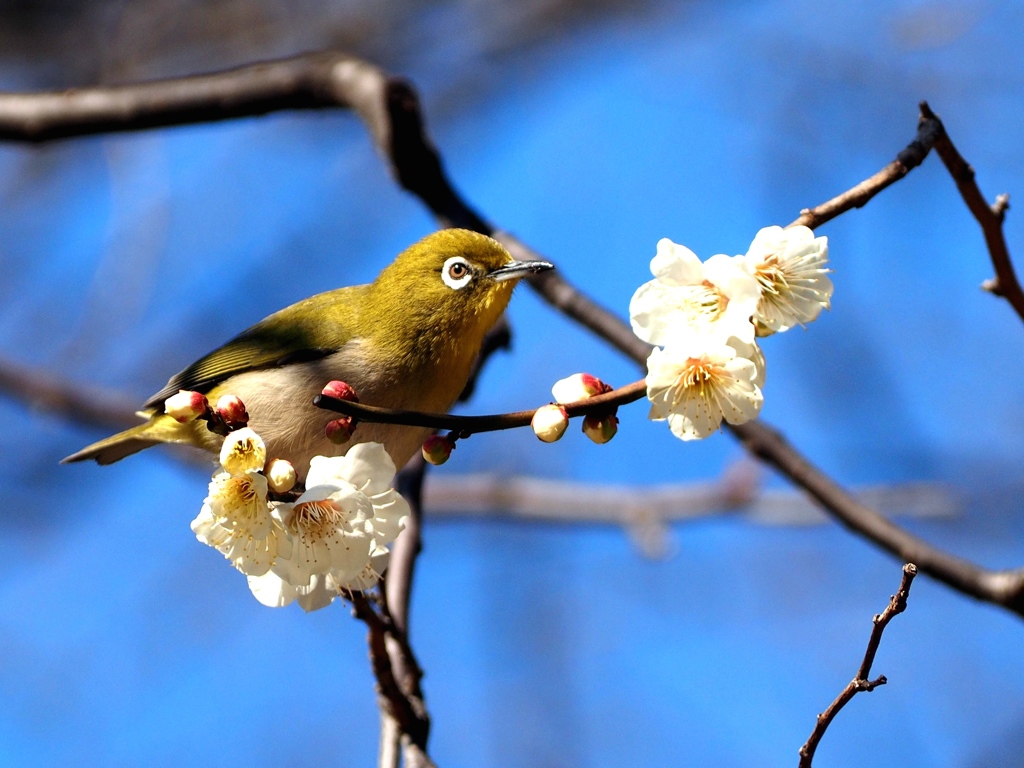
[186, 406]
[339, 390]
[232, 410]
[601, 429]
[549, 422]
[437, 449]
[340, 430]
[280, 475]
[579, 386]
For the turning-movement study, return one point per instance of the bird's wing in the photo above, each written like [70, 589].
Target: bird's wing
[309, 330]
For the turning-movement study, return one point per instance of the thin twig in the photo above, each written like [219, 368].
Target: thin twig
[929, 130]
[989, 217]
[862, 682]
[477, 424]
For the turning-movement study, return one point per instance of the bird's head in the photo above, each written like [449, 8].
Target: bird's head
[450, 287]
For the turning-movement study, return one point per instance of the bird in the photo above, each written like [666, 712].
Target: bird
[407, 340]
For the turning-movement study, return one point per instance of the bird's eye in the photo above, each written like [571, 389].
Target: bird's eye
[456, 273]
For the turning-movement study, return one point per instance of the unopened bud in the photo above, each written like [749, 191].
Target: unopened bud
[339, 390]
[186, 406]
[280, 475]
[437, 449]
[340, 430]
[232, 410]
[579, 386]
[601, 429]
[549, 422]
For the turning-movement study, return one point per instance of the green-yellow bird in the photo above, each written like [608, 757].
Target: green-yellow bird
[407, 340]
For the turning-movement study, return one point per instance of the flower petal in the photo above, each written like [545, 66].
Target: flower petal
[676, 264]
[271, 590]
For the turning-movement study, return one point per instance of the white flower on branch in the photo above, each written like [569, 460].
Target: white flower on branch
[338, 529]
[237, 520]
[243, 451]
[688, 297]
[790, 268]
[697, 383]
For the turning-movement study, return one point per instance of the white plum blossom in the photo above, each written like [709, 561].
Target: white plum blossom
[697, 383]
[243, 451]
[338, 529]
[236, 520]
[790, 268]
[333, 538]
[688, 296]
[275, 592]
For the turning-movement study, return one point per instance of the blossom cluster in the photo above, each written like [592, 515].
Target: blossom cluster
[704, 319]
[333, 537]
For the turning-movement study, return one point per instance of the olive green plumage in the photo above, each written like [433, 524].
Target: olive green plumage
[407, 340]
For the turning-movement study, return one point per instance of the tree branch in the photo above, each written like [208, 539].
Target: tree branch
[397, 589]
[406, 708]
[390, 109]
[929, 129]
[897, 604]
[477, 424]
[81, 404]
[989, 217]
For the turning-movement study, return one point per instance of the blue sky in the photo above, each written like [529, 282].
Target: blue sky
[125, 258]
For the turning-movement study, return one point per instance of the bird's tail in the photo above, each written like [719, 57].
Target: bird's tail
[159, 429]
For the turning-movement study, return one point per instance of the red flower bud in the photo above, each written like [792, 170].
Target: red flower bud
[340, 430]
[577, 387]
[339, 390]
[437, 449]
[232, 410]
[186, 406]
[601, 429]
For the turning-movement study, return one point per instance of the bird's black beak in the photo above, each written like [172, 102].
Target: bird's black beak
[516, 269]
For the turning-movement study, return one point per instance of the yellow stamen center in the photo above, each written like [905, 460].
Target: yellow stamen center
[316, 519]
[701, 375]
[771, 276]
[701, 302]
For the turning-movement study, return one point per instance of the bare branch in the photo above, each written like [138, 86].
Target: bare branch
[405, 708]
[301, 82]
[929, 130]
[477, 424]
[397, 589]
[72, 401]
[862, 682]
[990, 217]
[737, 492]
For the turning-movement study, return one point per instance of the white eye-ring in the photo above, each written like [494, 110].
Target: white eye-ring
[456, 273]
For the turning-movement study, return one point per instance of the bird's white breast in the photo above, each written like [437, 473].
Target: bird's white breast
[279, 402]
